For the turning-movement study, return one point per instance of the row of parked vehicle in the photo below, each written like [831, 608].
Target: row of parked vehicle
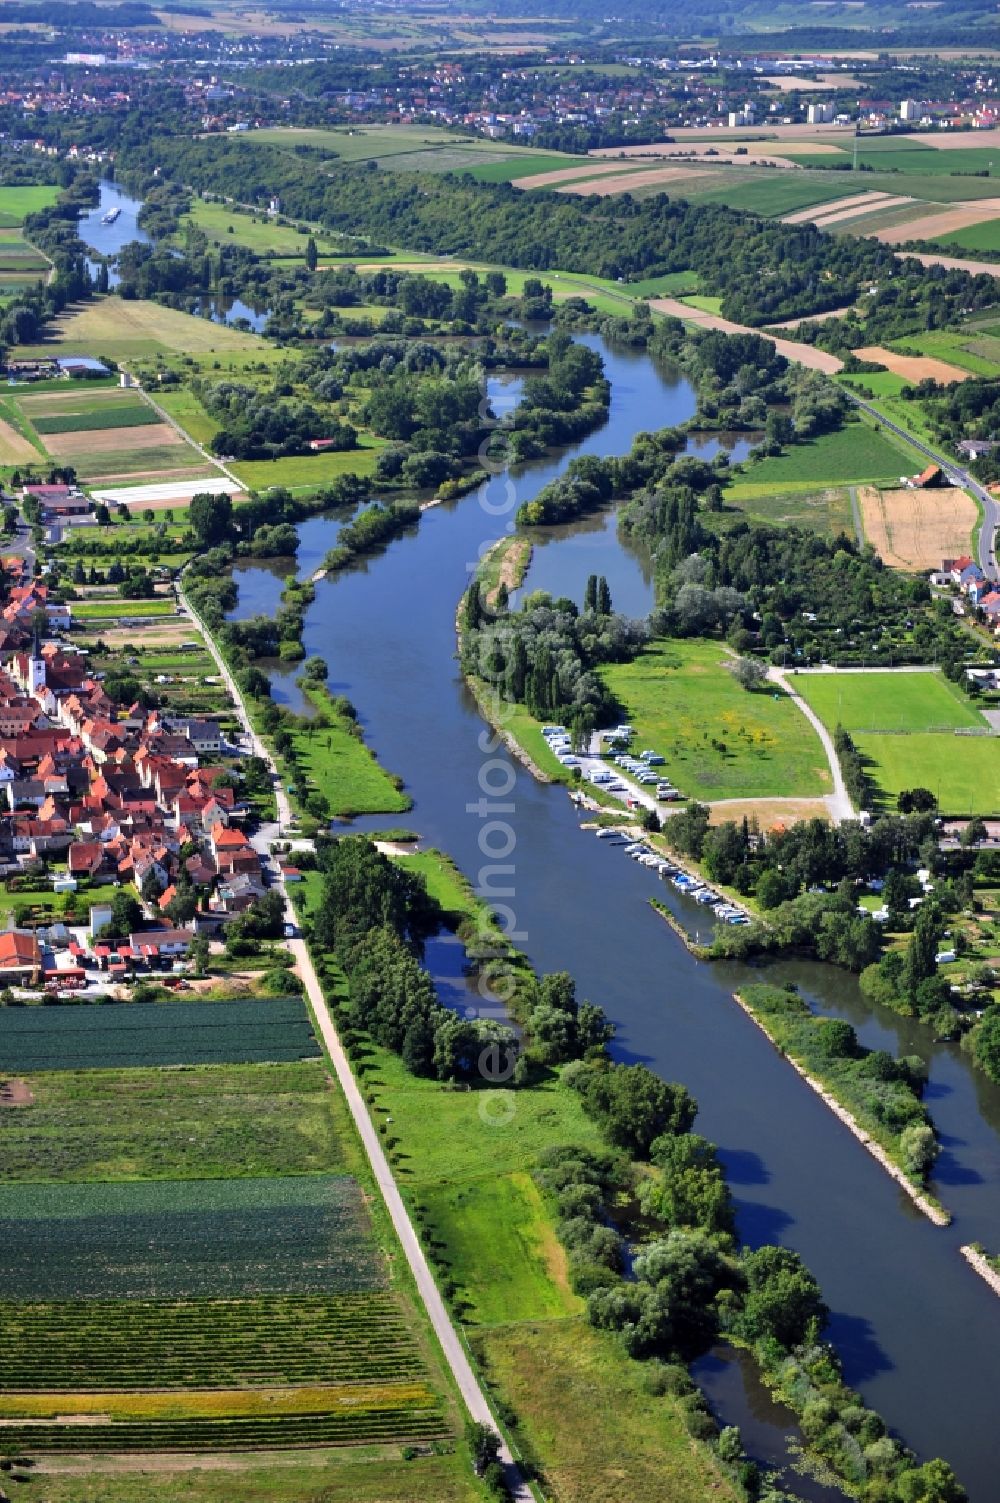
[692, 887]
[641, 767]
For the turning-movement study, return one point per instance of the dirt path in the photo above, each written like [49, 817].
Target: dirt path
[801, 354]
[838, 802]
[815, 211]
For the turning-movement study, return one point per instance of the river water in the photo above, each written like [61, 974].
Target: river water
[918, 1332]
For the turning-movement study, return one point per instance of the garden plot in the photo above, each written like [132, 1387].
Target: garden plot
[916, 529]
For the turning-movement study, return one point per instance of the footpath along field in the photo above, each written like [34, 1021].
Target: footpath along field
[465, 1162]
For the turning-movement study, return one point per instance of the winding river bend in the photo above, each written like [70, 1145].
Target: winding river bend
[918, 1332]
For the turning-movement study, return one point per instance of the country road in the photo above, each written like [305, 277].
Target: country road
[444, 1328]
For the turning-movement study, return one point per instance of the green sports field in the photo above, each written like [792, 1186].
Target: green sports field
[963, 772]
[908, 726]
[887, 701]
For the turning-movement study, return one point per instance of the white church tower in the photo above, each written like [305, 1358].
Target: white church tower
[36, 668]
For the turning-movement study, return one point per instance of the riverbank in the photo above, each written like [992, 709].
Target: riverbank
[700, 952]
[506, 563]
[985, 1268]
[924, 1202]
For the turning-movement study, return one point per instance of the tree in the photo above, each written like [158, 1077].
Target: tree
[151, 887]
[210, 518]
[749, 673]
[934, 1482]
[916, 801]
[919, 1148]
[484, 1445]
[986, 1042]
[634, 1106]
[126, 915]
[782, 1298]
[198, 954]
[312, 255]
[921, 951]
[974, 833]
[182, 906]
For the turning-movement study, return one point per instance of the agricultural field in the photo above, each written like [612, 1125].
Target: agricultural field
[852, 454]
[287, 1477]
[908, 726]
[202, 1122]
[111, 610]
[826, 511]
[21, 199]
[719, 741]
[913, 367]
[204, 1344]
[916, 529]
[187, 1239]
[974, 349]
[973, 237]
[110, 328]
[20, 263]
[418, 148]
[114, 1036]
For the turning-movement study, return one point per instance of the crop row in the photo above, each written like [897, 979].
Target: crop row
[230, 1434]
[80, 1038]
[186, 1239]
[118, 415]
[138, 1344]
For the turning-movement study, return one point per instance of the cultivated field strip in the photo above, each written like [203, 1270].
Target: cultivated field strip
[232, 1433]
[187, 1239]
[115, 1345]
[170, 1033]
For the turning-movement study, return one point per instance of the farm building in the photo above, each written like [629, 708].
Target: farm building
[20, 957]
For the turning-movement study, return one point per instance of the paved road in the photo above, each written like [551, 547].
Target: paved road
[444, 1329]
[838, 802]
[990, 504]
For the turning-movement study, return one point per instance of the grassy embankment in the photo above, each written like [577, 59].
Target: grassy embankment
[336, 761]
[816, 1045]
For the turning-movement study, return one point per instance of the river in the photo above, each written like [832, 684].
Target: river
[918, 1332]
